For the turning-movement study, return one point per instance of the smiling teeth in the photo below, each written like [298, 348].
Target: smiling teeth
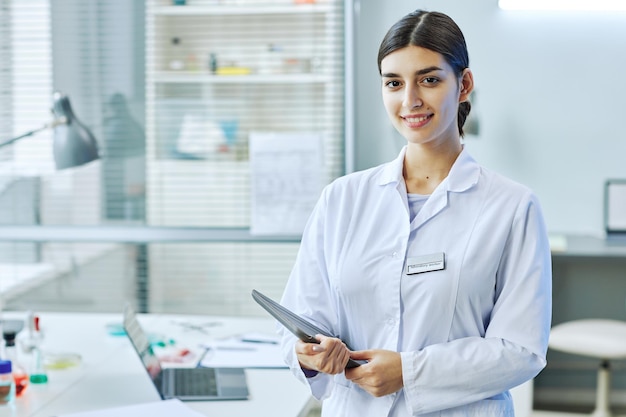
[416, 119]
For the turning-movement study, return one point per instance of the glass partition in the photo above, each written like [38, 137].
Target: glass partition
[194, 278]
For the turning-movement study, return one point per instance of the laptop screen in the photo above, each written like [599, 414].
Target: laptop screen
[141, 343]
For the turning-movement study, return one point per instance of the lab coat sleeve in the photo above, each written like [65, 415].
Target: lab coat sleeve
[513, 350]
[307, 293]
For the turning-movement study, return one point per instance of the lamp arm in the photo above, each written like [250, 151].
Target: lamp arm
[54, 123]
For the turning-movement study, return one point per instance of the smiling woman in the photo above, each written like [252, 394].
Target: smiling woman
[426, 86]
[426, 101]
[432, 234]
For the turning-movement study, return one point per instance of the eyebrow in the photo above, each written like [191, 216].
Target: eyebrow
[420, 72]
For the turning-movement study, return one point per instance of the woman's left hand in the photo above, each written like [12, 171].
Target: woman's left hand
[381, 375]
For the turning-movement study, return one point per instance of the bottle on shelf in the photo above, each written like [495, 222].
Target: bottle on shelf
[272, 60]
[191, 63]
[213, 62]
[7, 385]
[20, 376]
[177, 55]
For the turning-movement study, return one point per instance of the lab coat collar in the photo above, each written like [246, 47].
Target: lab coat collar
[463, 174]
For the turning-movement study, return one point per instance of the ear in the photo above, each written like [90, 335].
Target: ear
[466, 85]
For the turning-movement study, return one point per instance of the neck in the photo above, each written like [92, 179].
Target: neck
[425, 168]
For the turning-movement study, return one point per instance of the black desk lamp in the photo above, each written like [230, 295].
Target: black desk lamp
[73, 143]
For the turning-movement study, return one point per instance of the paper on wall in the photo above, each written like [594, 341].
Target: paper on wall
[285, 179]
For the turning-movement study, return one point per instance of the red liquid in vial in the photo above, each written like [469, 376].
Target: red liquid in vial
[21, 381]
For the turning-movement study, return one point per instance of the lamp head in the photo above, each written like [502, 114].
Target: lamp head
[73, 143]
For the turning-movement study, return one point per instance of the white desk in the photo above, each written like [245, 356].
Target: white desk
[111, 374]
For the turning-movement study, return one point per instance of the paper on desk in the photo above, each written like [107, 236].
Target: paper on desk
[245, 351]
[166, 408]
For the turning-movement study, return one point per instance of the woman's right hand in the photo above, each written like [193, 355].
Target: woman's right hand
[330, 356]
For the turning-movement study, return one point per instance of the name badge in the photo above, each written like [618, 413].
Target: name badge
[425, 263]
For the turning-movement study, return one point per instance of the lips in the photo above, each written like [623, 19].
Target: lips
[417, 120]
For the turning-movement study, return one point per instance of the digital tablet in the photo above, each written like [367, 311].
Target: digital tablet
[300, 327]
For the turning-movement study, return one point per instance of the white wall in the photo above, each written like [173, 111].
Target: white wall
[550, 96]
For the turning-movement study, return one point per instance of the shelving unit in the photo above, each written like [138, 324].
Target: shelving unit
[293, 56]
[217, 71]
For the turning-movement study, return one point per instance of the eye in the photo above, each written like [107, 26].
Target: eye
[430, 80]
[393, 84]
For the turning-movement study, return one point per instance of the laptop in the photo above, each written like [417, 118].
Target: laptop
[185, 384]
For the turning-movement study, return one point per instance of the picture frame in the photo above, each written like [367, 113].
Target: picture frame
[615, 206]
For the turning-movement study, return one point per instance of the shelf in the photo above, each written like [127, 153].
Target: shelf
[198, 167]
[241, 9]
[205, 78]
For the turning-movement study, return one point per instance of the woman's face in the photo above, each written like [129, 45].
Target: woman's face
[421, 94]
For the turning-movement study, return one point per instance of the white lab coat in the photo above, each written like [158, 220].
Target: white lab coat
[467, 333]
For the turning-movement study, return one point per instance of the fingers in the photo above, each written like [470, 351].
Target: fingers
[361, 355]
[329, 356]
[382, 375]
[308, 348]
[317, 348]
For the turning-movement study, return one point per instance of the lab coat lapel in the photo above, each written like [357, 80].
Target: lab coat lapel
[437, 202]
[463, 175]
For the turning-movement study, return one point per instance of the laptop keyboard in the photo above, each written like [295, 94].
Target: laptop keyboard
[192, 382]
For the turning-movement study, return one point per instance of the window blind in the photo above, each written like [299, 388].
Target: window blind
[25, 85]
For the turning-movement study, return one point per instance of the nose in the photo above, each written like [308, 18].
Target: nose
[412, 97]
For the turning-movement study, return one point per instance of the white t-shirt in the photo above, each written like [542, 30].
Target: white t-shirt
[416, 202]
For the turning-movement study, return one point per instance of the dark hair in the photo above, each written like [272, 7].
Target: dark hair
[437, 32]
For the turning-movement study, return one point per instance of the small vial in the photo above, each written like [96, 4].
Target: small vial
[38, 372]
[20, 377]
[32, 337]
[7, 385]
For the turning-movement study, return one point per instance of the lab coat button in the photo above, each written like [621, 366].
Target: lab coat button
[394, 255]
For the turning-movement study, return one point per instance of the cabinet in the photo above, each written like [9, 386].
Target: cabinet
[217, 70]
